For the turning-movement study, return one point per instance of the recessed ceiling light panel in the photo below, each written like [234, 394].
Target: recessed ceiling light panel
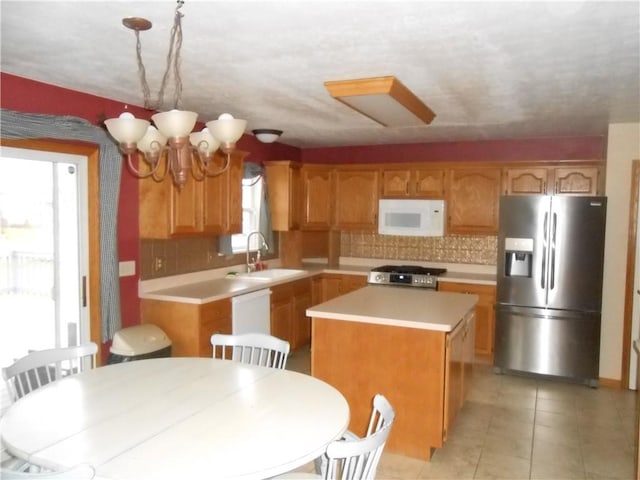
[384, 100]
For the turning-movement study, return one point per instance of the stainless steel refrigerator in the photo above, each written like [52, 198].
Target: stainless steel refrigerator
[549, 286]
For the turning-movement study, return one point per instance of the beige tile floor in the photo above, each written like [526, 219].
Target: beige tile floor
[515, 428]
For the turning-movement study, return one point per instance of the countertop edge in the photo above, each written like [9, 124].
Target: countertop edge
[235, 287]
[380, 321]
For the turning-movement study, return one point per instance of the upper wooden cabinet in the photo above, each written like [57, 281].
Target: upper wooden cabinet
[570, 180]
[413, 183]
[577, 181]
[472, 200]
[317, 191]
[202, 208]
[345, 197]
[283, 183]
[356, 198]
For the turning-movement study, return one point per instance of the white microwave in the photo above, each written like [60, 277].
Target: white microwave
[419, 218]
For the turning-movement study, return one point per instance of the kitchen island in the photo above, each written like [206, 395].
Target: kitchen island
[413, 346]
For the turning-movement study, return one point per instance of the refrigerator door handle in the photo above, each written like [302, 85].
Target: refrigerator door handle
[552, 266]
[543, 275]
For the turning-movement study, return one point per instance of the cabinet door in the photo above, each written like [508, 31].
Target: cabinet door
[283, 178]
[526, 181]
[429, 183]
[301, 323]
[331, 287]
[484, 313]
[215, 317]
[413, 183]
[349, 283]
[186, 208]
[576, 180]
[215, 203]
[212, 206]
[356, 197]
[334, 284]
[395, 183]
[317, 197]
[234, 189]
[454, 376]
[316, 290]
[184, 334]
[473, 197]
[282, 312]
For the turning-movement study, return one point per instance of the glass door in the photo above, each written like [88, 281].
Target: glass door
[43, 251]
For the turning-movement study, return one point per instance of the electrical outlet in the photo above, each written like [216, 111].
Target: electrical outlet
[158, 264]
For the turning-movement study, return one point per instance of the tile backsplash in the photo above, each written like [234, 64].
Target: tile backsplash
[480, 250]
[163, 258]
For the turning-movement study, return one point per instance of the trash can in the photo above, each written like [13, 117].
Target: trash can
[138, 343]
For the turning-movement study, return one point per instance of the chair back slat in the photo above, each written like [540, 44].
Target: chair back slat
[357, 458]
[79, 472]
[251, 348]
[41, 367]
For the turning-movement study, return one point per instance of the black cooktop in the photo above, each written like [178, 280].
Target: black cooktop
[410, 269]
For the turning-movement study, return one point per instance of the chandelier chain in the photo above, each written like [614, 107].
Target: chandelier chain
[172, 68]
[142, 73]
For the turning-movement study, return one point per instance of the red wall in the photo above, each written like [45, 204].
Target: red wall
[566, 148]
[25, 95]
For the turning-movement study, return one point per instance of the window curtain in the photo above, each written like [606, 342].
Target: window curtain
[251, 170]
[17, 125]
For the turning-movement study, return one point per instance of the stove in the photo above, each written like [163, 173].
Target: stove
[406, 275]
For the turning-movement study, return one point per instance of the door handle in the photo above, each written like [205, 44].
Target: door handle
[543, 275]
[552, 267]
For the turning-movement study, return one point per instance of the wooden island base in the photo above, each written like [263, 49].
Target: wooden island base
[421, 372]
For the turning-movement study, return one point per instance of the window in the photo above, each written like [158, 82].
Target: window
[251, 204]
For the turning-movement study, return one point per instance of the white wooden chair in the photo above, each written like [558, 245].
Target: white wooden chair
[252, 348]
[44, 366]
[79, 472]
[352, 457]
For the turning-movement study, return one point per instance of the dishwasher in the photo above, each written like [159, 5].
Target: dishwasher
[251, 312]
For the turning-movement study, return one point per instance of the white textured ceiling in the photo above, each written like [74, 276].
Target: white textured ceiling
[489, 70]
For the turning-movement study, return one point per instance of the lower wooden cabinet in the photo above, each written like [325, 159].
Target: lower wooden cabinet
[289, 303]
[189, 326]
[335, 284]
[425, 374]
[485, 312]
[458, 369]
[281, 312]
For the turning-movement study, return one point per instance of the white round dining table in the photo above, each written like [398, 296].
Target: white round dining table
[177, 418]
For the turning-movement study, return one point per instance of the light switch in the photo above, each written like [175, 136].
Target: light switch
[127, 269]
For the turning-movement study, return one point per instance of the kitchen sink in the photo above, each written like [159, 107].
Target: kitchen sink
[270, 274]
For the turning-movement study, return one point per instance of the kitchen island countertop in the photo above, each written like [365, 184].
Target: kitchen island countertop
[398, 306]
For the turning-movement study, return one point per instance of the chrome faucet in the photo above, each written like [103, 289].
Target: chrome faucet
[252, 266]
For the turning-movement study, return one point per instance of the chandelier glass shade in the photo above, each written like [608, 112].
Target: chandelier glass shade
[172, 138]
[185, 151]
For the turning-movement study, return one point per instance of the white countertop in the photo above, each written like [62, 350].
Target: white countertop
[208, 286]
[398, 306]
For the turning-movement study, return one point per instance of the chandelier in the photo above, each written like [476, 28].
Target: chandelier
[171, 138]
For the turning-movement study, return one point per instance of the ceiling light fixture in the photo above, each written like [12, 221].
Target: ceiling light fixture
[384, 100]
[267, 135]
[185, 151]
